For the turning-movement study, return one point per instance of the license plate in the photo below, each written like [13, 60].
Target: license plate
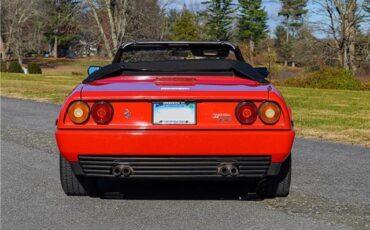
[174, 113]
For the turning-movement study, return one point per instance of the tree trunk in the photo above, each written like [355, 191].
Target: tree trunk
[106, 43]
[251, 52]
[39, 36]
[345, 57]
[55, 51]
[18, 53]
[117, 14]
[348, 20]
[287, 39]
[352, 30]
[2, 49]
[352, 57]
[339, 53]
[293, 62]
[112, 25]
[20, 61]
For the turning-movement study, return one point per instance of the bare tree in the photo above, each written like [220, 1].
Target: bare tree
[121, 20]
[145, 20]
[15, 16]
[117, 21]
[343, 20]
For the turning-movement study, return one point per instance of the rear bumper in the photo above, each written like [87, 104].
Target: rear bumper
[206, 167]
[75, 143]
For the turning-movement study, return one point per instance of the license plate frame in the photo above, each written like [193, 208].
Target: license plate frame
[164, 112]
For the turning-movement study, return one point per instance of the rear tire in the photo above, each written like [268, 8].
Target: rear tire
[277, 186]
[71, 184]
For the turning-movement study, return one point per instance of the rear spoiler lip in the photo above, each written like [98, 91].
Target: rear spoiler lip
[241, 68]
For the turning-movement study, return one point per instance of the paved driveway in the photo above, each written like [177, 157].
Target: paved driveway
[330, 188]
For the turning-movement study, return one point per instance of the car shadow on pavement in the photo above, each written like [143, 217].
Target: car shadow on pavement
[177, 190]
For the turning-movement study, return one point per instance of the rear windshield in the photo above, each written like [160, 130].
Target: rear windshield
[160, 53]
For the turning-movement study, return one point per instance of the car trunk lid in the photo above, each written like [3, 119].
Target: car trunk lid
[214, 98]
[176, 88]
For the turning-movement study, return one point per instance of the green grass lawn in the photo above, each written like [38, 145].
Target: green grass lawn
[336, 115]
[64, 66]
[45, 88]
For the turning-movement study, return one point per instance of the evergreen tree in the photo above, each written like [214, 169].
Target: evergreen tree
[219, 18]
[283, 46]
[293, 12]
[61, 25]
[185, 27]
[252, 23]
[170, 20]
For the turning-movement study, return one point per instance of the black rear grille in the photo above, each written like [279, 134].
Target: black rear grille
[176, 167]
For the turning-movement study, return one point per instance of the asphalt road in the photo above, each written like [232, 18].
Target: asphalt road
[330, 188]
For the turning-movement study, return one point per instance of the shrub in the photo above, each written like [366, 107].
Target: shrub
[366, 86]
[34, 68]
[15, 67]
[3, 66]
[77, 73]
[327, 78]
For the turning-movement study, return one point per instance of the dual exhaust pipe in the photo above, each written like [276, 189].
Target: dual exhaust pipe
[124, 170]
[227, 169]
[224, 169]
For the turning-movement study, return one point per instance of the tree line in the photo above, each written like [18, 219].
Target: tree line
[81, 27]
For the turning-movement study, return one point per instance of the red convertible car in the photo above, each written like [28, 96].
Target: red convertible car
[176, 110]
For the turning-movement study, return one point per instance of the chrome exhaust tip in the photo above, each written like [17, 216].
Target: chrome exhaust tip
[117, 170]
[234, 170]
[223, 170]
[124, 170]
[227, 169]
[127, 170]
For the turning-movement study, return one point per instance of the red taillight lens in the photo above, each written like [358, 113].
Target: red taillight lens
[246, 112]
[102, 112]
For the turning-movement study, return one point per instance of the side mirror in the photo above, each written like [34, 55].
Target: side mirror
[92, 69]
[263, 71]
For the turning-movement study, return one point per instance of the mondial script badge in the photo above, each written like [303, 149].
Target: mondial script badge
[127, 114]
[222, 117]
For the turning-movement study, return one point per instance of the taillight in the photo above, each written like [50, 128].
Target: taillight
[102, 112]
[269, 112]
[246, 112]
[79, 112]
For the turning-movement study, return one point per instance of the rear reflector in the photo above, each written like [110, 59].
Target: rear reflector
[79, 112]
[246, 112]
[102, 112]
[269, 112]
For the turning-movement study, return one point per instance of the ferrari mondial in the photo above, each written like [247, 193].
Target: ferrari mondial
[176, 111]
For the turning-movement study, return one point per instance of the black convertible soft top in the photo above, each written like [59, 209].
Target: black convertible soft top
[191, 67]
